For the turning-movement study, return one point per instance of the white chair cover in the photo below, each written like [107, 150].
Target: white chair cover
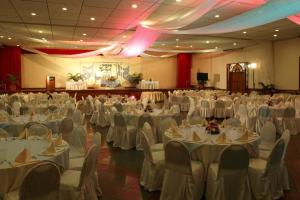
[110, 133]
[174, 109]
[228, 179]
[205, 110]
[232, 122]
[141, 121]
[289, 120]
[40, 182]
[153, 167]
[185, 104]
[220, 111]
[262, 117]
[164, 125]
[148, 132]
[124, 136]
[66, 127]
[297, 105]
[268, 139]
[266, 175]
[77, 117]
[184, 178]
[38, 130]
[119, 107]
[82, 185]
[77, 141]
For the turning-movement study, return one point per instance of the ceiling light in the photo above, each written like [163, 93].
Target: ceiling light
[177, 39]
[64, 9]
[84, 34]
[80, 40]
[1, 36]
[40, 31]
[9, 38]
[163, 44]
[277, 30]
[92, 19]
[207, 42]
[216, 47]
[18, 45]
[33, 14]
[217, 16]
[124, 36]
[191, 46]
[234, 44]
[275, 35]
[177, 46]
[134, 5]
[245, 32]
[178, 0]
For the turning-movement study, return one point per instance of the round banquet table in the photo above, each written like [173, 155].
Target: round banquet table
[15, 125]
[12, 174]
[153, 96]
[208, 148]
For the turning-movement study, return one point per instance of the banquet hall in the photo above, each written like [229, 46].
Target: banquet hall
[150, 99]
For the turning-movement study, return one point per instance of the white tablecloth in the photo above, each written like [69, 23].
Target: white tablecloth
[149, 84]
[12, 175]
[71, 85]
[153, 96]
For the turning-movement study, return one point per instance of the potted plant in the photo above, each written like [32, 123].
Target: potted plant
[13, 81]
[135, 78]
[267, 88]
[75, 77]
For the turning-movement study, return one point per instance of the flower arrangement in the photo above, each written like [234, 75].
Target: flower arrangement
[111, 78]
[135, 78]
[213, 128]
[75, 77]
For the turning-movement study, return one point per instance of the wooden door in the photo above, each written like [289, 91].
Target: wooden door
[237, 82]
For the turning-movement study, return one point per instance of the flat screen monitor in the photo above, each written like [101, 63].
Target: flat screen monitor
[202, 76]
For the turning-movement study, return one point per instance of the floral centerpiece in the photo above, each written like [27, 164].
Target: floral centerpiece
[135, 78]
[213, 128]
[75, 77]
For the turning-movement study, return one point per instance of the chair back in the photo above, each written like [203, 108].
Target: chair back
[119, 120]
[66, 126]
[89, 167]
[204, 104]
[177, 157]
[268, 134]
[233, 170]
[289, 112]
[175, 109]
[275, 158]
[286, 136]
[77, 138]
[264, 112]
[177, 118]
[119, 107]
[97, 139]
[38, 130]
[233, 122]
[41, 182]
[146, 147]
[3, 133]
[147, 129]
[220, 104]
[77, 117]
[196, 120]
[145, 118]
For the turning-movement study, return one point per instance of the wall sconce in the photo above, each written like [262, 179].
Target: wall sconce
[253, 66]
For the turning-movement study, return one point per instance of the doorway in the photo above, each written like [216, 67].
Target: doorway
[237, 77]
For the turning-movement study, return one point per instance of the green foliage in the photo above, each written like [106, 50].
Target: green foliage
[267, 86]
[75, 77]
[135, 78]
[12, 78]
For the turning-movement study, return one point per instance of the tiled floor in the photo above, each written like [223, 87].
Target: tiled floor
[119, 171]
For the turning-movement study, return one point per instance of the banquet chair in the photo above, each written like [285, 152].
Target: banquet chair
[153, 168]
[77, 142]
[3, 133]
[177, 117]
[196, 119]
[192, 107]
[289, 120]
[148, 132]
[77, 117]
[101, 119]
[70, 112]
[297, 105]
[38, 129]
[141, 121]
[185, 104]
[268, 139]
[175, 109]
[40, 182]
[66, 127]
[164, 125]
[24, 110]
[88, 107]
[228, 180]
[263, 116]
[81, 185]
[119, 107]
[16, 107]
[124, 136]
[184, 178]
[110, 133]
[220, 111]
[205, 110]
[266, 175]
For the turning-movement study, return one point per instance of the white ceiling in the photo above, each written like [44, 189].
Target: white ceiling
[116, 20]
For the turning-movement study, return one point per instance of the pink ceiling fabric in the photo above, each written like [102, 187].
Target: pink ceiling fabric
[295, 19]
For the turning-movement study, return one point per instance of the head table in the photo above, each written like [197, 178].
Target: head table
[12, 173]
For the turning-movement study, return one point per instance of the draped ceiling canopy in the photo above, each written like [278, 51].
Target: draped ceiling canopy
[158, 28]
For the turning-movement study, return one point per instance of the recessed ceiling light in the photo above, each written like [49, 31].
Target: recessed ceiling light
[275, 35]
[178, 0]
[18, 45]
[177, 39]
[124, 36]
[177, 46]
[1, 36]
[134, 5]
[245, 32]
[191, 46]
[217, 16]
[207, 42]
[277, 30]
[64, 8]
[216, 47]
[33, 14]
[80, 40]
[9, 38]
[92, 19]
[163, 44]
[234, 44]
[84, 34]
[40, 31]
